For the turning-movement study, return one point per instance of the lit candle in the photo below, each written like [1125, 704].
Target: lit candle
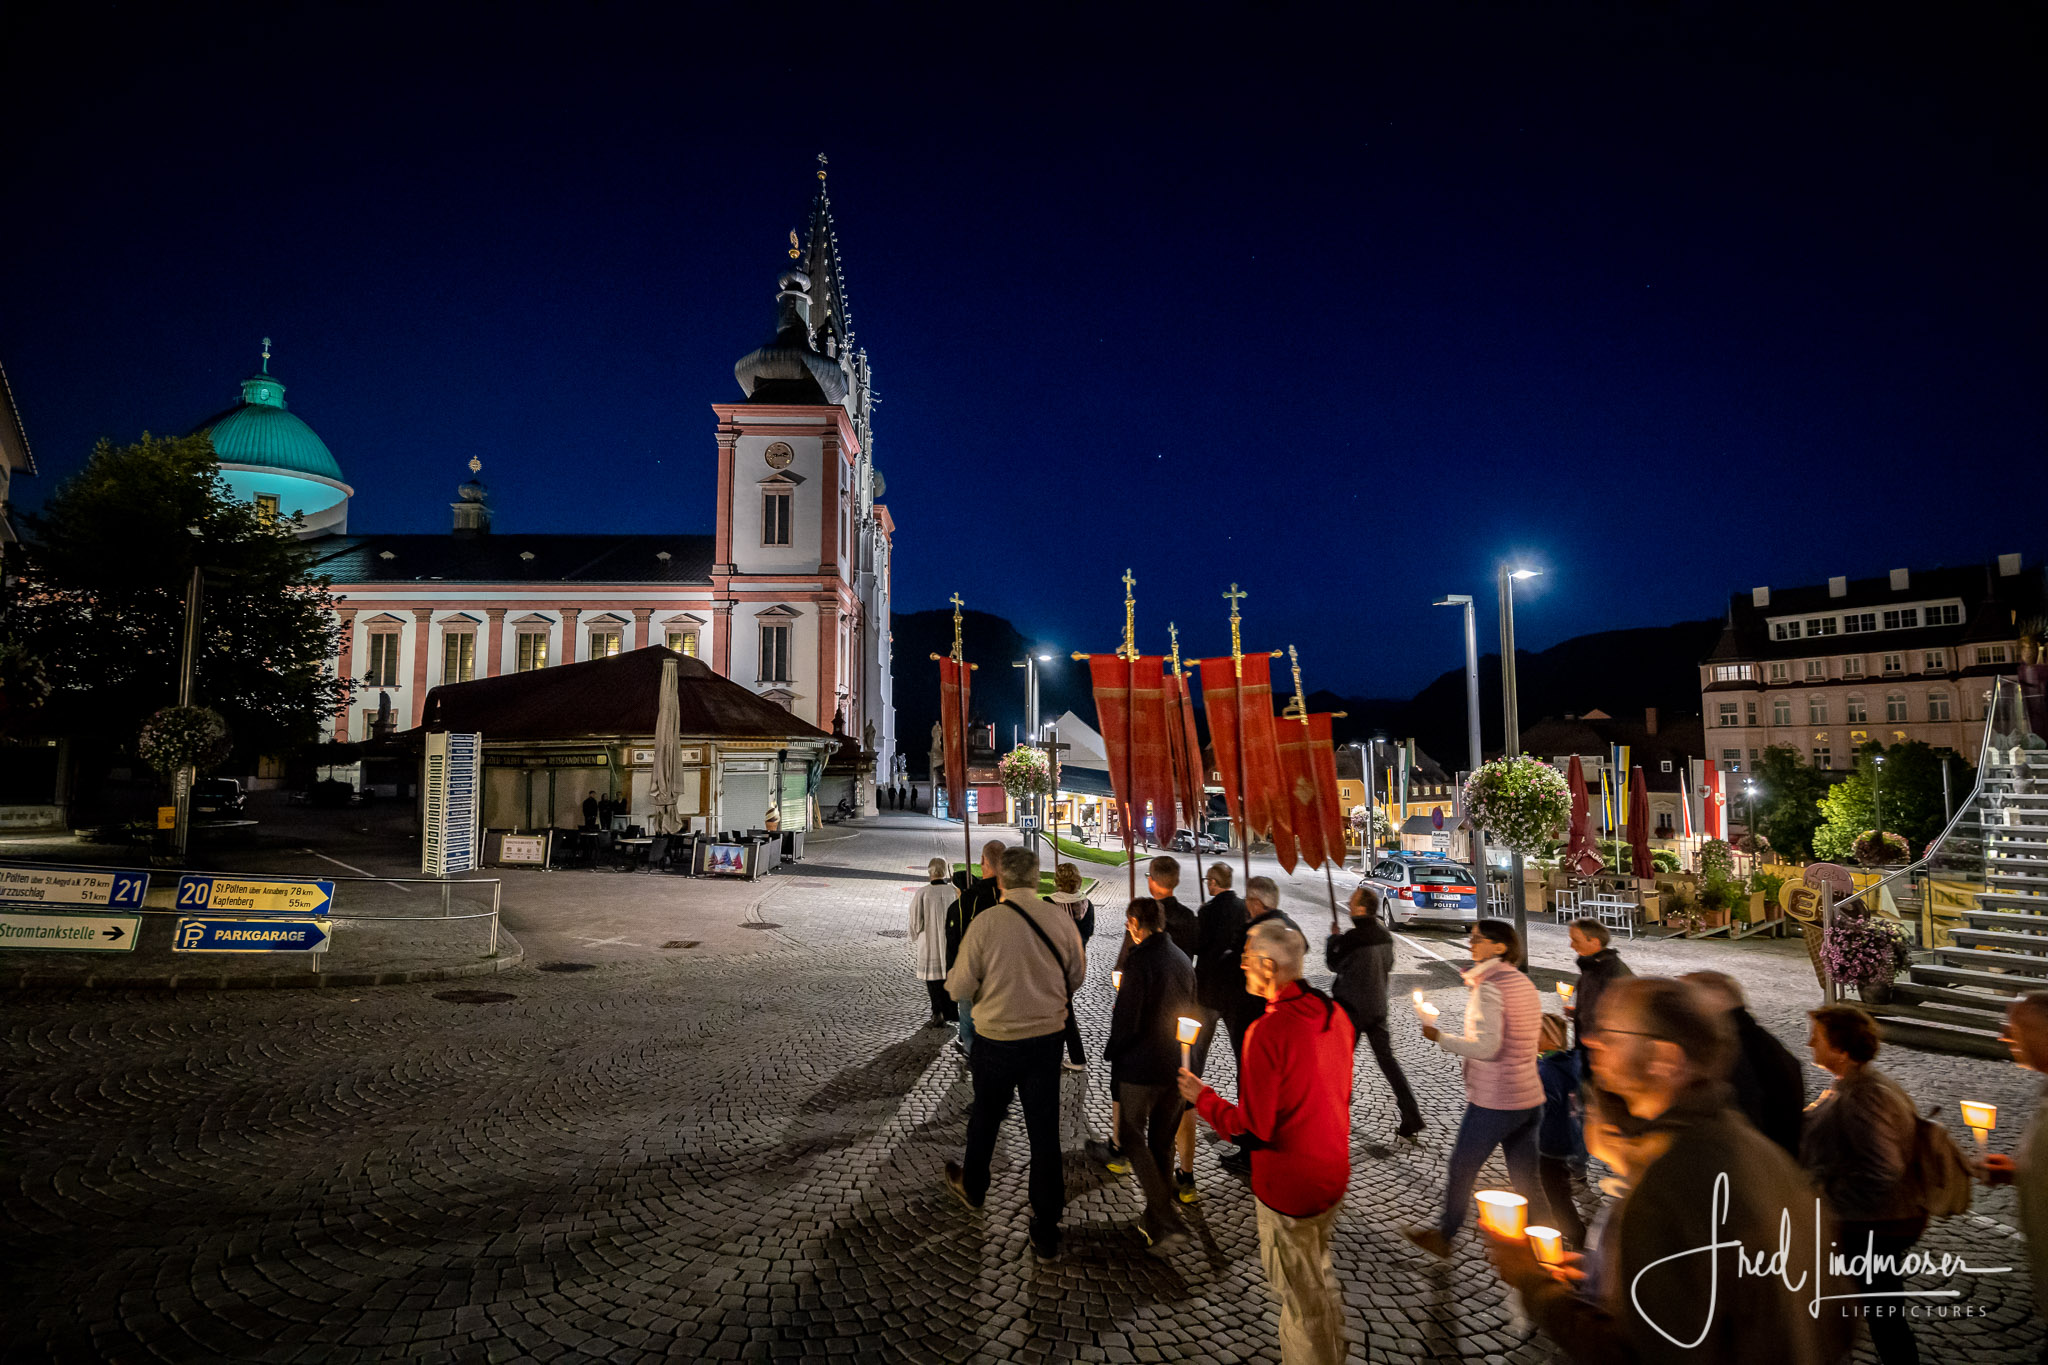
[1502, 1213]
[1116, 981]
[1547, 1243]
[1982, 1118]
[1424, 1011]
[1189, 1030]
[1564, 991]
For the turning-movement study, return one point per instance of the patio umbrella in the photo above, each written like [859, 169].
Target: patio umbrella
[667, 793]
[1582, 854]
[1639, 823]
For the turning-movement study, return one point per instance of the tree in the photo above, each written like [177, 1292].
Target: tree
[101, 598]
[1906, 794]
[1787, 810]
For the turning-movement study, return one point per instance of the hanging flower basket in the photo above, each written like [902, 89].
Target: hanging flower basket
[178, 736]
[1874, 850]
[1523, 804]
[1863, 950]
[1023, 772]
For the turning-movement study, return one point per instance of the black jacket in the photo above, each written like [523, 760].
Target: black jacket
[1181, 927]
[1363, 959]
[1158, 988]
[982, 892]
[1770, 1085]
[1219, 979]
[1595, 974]
[1249, 1007]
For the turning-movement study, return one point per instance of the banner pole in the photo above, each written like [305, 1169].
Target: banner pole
[1190, 764]
[1244, 810]
[1130, 653]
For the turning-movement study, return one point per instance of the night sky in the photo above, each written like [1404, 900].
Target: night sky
[1667, 300]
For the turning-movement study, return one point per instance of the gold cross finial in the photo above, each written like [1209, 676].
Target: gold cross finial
[476, 466]
[1130, 649]
[821, 165]
[1298, 708]
[266, 355]
[957, 655]
[794, 252]
[1236, 595]
[1173, 634]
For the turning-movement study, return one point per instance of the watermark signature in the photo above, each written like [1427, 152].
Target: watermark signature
[1777, 1264]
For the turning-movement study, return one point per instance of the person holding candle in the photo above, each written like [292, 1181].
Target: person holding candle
[1162, 876]
[1503, 1089]
[1599, 967]
[2026, 1037]
[1560, 1145]
[1859, 1145]
[1293, 1114]
[1262, 906]
[1219, 985]
[1698, 1177]
[1020, 963]
[1066, 893]
[1144, 1055]
[1363, 960]
[928, 940]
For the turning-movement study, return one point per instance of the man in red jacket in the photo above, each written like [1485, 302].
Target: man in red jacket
[1294, 1113]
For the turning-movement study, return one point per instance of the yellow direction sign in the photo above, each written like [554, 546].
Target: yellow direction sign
[264, 895]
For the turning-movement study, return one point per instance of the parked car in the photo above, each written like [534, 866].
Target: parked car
[216, 798]
[1423, 886]
[1188, 841]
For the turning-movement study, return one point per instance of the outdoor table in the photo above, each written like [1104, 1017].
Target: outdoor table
[1616, 912]
[631, 848]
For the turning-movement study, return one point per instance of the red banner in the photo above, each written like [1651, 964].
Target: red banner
[1190, 780]
[1298, 779]
[1130, 703]
[1245, 707]
[953, 697]
[1330, 807]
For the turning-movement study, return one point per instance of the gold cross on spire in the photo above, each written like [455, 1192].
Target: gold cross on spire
[1236, 638]
[821, 165]
[1130, 649]
[957, 655]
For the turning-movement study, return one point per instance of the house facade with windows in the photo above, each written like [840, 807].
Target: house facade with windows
[1829, 668]
[788, 594]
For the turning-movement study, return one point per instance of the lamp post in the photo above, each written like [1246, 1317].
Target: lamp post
[1365, 776]
[1749, 813]
[1029, 663]
[1513, 719]
[1877, 800]
[1477, 755]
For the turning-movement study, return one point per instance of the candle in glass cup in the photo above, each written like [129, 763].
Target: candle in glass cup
[1546, 1243]
[1502, 1212]
[1424, 1011]
[1189, 1030]
[1982, 1118]
[1564, 991]
[1116, 981]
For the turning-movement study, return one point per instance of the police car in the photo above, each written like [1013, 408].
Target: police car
[1423, 886]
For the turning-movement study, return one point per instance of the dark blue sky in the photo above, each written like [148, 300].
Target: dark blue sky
[1669, 300]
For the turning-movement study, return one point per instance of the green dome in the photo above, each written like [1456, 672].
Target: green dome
[261, 434]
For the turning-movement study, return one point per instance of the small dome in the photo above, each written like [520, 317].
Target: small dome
[261, 434]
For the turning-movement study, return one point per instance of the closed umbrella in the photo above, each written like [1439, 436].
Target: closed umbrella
[667, 793]
[1639, 823]
[1582, 854]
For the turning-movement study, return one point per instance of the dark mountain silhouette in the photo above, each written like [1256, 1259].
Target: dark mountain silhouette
[1621, 672]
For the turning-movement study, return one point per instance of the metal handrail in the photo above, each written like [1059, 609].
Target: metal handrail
[1962, 808]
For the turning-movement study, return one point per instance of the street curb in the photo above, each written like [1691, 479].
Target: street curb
[510, 955]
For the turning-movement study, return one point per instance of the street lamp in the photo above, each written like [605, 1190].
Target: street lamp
[1877, 800]
[1512, 716]
[1749, 812]
[1463, 599]
[1029, 663]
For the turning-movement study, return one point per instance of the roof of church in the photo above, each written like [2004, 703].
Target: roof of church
[502, 557]
[258, 431]
[615, 696]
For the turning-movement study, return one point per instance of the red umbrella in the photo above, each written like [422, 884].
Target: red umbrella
[1639, 823]
[1582, 854]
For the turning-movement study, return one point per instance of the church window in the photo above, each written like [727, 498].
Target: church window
[533, 650]
[383, 659]
[458, 656]
[775, 518]
[775, 654]
[266, 506]
[604, 644]
[683, 642]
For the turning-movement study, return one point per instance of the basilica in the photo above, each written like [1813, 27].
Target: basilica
[788, 595]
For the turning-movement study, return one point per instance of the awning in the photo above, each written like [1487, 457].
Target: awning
[1085, 782]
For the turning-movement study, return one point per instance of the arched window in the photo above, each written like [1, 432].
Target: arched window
[1895, 706]
[1937, 706]
[1859, 710]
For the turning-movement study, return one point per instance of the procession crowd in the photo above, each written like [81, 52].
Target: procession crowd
[1723, 1183]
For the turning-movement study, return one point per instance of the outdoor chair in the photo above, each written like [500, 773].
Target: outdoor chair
[603, 844]
[657, 853]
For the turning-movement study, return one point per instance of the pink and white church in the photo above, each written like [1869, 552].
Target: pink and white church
[789, 595]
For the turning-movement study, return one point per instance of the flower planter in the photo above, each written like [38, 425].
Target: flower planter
[1877, 994]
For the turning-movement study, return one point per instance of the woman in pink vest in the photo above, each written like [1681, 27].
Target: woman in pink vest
[1503, 1092]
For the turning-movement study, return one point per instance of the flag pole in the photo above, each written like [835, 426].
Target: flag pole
[1130, 656]
[966, 781]
[1191, 764]
[1244, 812]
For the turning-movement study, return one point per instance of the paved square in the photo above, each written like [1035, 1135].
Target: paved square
[727, 1150]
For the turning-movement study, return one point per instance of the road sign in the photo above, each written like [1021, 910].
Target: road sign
[251, 936]
[70, 933]
[1027, 822]
[973, 801]
[265, 895]
[166, 817]
[51, 884]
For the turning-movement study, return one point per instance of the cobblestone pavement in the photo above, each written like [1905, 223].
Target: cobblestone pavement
[727, 1151]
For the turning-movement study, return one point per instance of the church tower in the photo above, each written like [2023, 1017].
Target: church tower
[800, 571]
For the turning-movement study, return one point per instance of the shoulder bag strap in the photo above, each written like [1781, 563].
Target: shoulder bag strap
[1042, 938]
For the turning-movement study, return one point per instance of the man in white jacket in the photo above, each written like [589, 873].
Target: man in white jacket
[928, 939]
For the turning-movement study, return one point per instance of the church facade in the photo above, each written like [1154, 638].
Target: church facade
[788, 595]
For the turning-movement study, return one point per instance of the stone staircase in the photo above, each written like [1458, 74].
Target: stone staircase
[1954, 997]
